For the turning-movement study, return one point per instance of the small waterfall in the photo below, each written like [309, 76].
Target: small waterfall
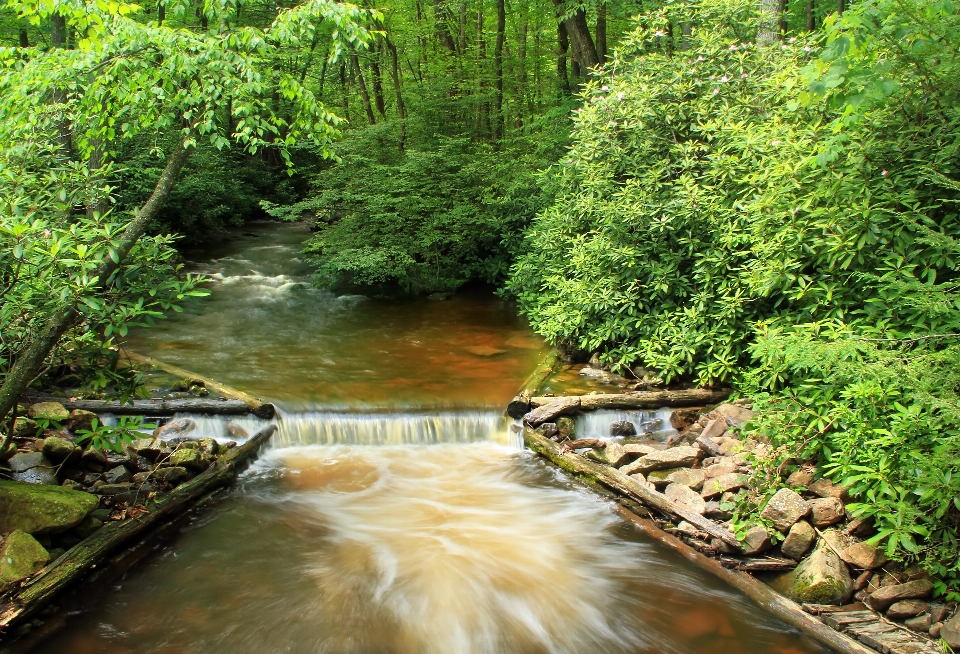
[596, 424]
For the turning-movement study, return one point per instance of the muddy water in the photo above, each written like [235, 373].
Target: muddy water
[423, 529]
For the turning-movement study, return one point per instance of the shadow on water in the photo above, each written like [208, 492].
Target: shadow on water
[406, 531]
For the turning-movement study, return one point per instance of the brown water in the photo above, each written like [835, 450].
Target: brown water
[409, 531]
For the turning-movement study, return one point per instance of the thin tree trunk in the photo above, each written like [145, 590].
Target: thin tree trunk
[463, 29]
[483, 108]
[362, 85]
[443, 30]
[345, 93]
[523, 102]
[841, 6]
[811, 21]
[498, 117]
[401, 107]
[375, 75]
[686, 31]
[783, 18]
[161, 13]
[58, 39]
[24, 38]
[769, 32]
[602, 32]
[29, 362]
[563, 42]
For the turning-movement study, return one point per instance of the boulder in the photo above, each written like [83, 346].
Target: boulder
[907, 609]
[42, 510]
[21, 556]
[920, 624]
[172, 476]
[714, 429]
[863, 556]
[885, 596]
[686, 497]
[622, 428]
[639, 449]
[722, 466]
[80, 419]
[118, 475]
[821, 578]
[565, 425]
[950, 632]
[547, 430]
[24, 428]
[707, 446]
[723, 484]
[9, 452]
[612, 455]
[60, 449]
[682, 418]
[784, 509]
[175, 428]
[33, 468]
[211, 446]
[93, 456]
[802, 477]
[825, 511]
[826, 488]
[732, 414]
[691, 477]
[938, 612]
[149, 448]
[798, 540]
[53, 411]
[755, 541]
[675, 457]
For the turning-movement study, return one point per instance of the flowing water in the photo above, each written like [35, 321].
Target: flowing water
[414, 525]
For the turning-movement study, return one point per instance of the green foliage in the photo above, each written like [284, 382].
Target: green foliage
[116, 437]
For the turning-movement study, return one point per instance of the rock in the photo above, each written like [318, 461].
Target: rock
[565, 426]
[639, 449]
[732, 414]
[623, 428]
[722, 466]
[938, 612]
[118, 459]
[72, 485]
[682, 418]
[87, 526]
[708, 447]
[687, 497]
[149, 448]
[115, 489]
[171, 476]
[686, 529]
[93, 456]
[826, 488]
[117, 475]
[9, 452]
[935, 630]
[33, 468]
[821, 578]
[731, 446]
[883, 597]
[802, 477]
[141, 478]
[691, 477]
[484, 350]
[21, 556]
[784, 509]
[175, 428]
[825, 511]
[24, 428]
[723, 484]
[714, 429]
[659, 477]
[547, 430]
[798, 540]
[950, 632]
[639, 478]
[714, 511]
[755, 541]
[60, 449]
[908, 609]
[52, 411]
[920, 624]
[80, 419]
[675, 457]
[863, 556]
[42, 510]
[611, 455]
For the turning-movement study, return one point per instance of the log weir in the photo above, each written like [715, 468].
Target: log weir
[164, 407]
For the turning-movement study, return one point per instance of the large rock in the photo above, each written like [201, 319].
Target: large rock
[882, 598]
[33, 468]
[863, 556]
[623, 428]
[118, 475]
[784, 509]
[675, 457]
[175, 428]
[755, 541]
[826, 511]
[907, 609]
[686, 497]
[950, 632]
[612, 455]
[60, 449]
[723, 466]
[80, 419]
[42, 509]
[800, 478]
[723, 484]
[171, 476]
[21, 556]
[733, 415]
[714, 429]
[826, 488]
[53, 411]
[692, 477]
[822, 578]
[565, 425]
[798, 540]
[639, 449]
[24, 428]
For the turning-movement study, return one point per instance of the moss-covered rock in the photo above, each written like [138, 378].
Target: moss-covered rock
[21, 556]
[24, 428]
[48, 411]
[42, 509]
[188, 458]
[822, 578]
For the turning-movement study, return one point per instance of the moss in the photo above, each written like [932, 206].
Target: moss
[42, 509]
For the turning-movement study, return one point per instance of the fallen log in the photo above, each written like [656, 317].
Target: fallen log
[256, 406]
[561, 406]
[621, 483]
[520, 404]
[86, 555]
[641, 399]
[758, 565]
[159, 407]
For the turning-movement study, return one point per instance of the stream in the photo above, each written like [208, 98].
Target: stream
[395, 511]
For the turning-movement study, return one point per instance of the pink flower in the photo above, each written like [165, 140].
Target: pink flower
[744, 76]
[659, 33]
[775, 142]
[619, 96]
[724, 79]
[806, 48]
[884, 173]
[715, 91]
[700, 58]
[732, 47]
[604, 88]
[793, 39]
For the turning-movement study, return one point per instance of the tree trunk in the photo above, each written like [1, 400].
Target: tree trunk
[602, 32]
[376, 76]
[401, 107]
[24, 39]
[811, 21]
[841, 6]
[564, 44]
[346, 96]
[498, 117]
[161, 14]
[686, 32]
[769, 32]
[361, 83]
[523, 102]
[443, 30]
[579, 32]
[29, 363]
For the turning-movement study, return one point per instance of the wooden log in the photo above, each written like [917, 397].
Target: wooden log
[158, 407]
[520, 404]
[621, 483]
[758, 565]
[86, 555]
[256, 406]
[561, 406]
[642, 399]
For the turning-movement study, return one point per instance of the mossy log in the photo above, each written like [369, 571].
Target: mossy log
[161, 407]
[624, 485]
[642, 399]
[520, 404]
[86, 555]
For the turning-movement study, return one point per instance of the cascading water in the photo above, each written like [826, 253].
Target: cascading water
[398, 531]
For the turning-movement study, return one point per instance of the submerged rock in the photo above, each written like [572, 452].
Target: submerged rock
[623, 428]
[21, 556]
[822, 578]
[42, 509]
[175, 428]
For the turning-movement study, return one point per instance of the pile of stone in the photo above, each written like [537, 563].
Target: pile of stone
[806, 545]
[54, 492]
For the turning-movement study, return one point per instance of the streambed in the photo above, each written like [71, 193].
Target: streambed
[396, 511]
